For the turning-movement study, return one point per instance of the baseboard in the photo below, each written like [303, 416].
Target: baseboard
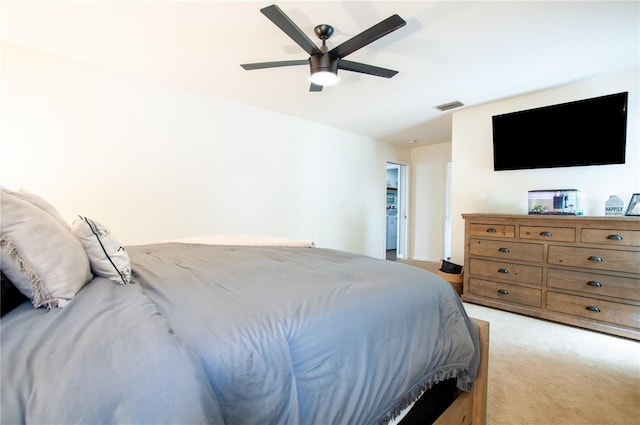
[428, 260]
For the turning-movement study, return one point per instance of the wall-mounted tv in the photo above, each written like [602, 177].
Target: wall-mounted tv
[585, 132]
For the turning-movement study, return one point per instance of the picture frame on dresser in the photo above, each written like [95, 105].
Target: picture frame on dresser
[634, 205]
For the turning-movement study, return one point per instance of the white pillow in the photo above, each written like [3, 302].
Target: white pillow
[108, 258]
[38, 254]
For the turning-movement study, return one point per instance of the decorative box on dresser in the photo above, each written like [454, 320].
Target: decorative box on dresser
[581, 271]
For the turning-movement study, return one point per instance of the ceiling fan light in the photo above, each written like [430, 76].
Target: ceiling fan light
[324, 78]
[324, 69]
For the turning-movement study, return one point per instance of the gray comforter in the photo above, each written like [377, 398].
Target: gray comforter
[238, 335]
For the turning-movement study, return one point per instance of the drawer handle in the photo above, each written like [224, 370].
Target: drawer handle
[596, 258]
[594, 283]
[615, 237]
[503, 292]
[593, 308]
[546, 233]
[491, 230]
[504, 271]
[503, 250]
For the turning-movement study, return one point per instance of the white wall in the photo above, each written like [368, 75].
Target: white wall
[152, 161]
[428, 194]
[476, 188]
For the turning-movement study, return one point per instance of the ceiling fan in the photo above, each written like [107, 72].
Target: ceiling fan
[325, 63]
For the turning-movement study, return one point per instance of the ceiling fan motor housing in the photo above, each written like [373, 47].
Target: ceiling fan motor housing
[323, 62]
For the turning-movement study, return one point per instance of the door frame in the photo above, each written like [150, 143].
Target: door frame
[403, 208]
[447, 211]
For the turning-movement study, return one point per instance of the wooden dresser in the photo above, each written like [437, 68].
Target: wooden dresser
[582, 271]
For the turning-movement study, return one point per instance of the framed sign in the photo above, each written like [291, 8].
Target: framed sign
[634, 205]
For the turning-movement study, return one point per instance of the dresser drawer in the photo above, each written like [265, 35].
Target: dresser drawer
[493, 230]
[595, 258]
[593, 284]
[506, 271]
[507, 250]
[611, 237]
[591, 308]
[556, 234]
[506, 292]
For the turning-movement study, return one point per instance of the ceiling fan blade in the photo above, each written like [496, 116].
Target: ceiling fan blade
[282, 21]
[381, 29]
[366, 69]
[315, 87]
[263, 65]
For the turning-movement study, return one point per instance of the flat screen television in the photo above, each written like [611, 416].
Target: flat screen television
[585, 132]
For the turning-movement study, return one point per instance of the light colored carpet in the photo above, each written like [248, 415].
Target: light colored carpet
[545, 373]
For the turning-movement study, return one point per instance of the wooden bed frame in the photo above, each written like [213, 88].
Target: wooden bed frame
[471, 408]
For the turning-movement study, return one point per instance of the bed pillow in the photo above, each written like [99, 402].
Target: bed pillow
[10, 297]
[38, 254]
[40, 203]
[107, 257]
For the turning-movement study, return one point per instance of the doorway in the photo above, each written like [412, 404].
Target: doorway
[447, 212]
[396, 214]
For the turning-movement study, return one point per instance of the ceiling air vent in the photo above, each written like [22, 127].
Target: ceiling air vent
[450, 105]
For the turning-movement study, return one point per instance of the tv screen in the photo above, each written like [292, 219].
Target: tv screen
[585, 132]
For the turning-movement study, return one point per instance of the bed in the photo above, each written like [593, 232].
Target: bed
[204, 333]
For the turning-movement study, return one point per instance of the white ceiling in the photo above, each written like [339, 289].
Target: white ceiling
[474, 52]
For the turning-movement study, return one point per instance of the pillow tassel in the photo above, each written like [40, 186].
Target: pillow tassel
[37, 296]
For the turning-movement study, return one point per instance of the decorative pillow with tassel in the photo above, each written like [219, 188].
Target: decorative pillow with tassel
[38, 253]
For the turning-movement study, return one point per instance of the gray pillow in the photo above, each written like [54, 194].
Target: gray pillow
[40, 203]
[107, 257]
[38, 254]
